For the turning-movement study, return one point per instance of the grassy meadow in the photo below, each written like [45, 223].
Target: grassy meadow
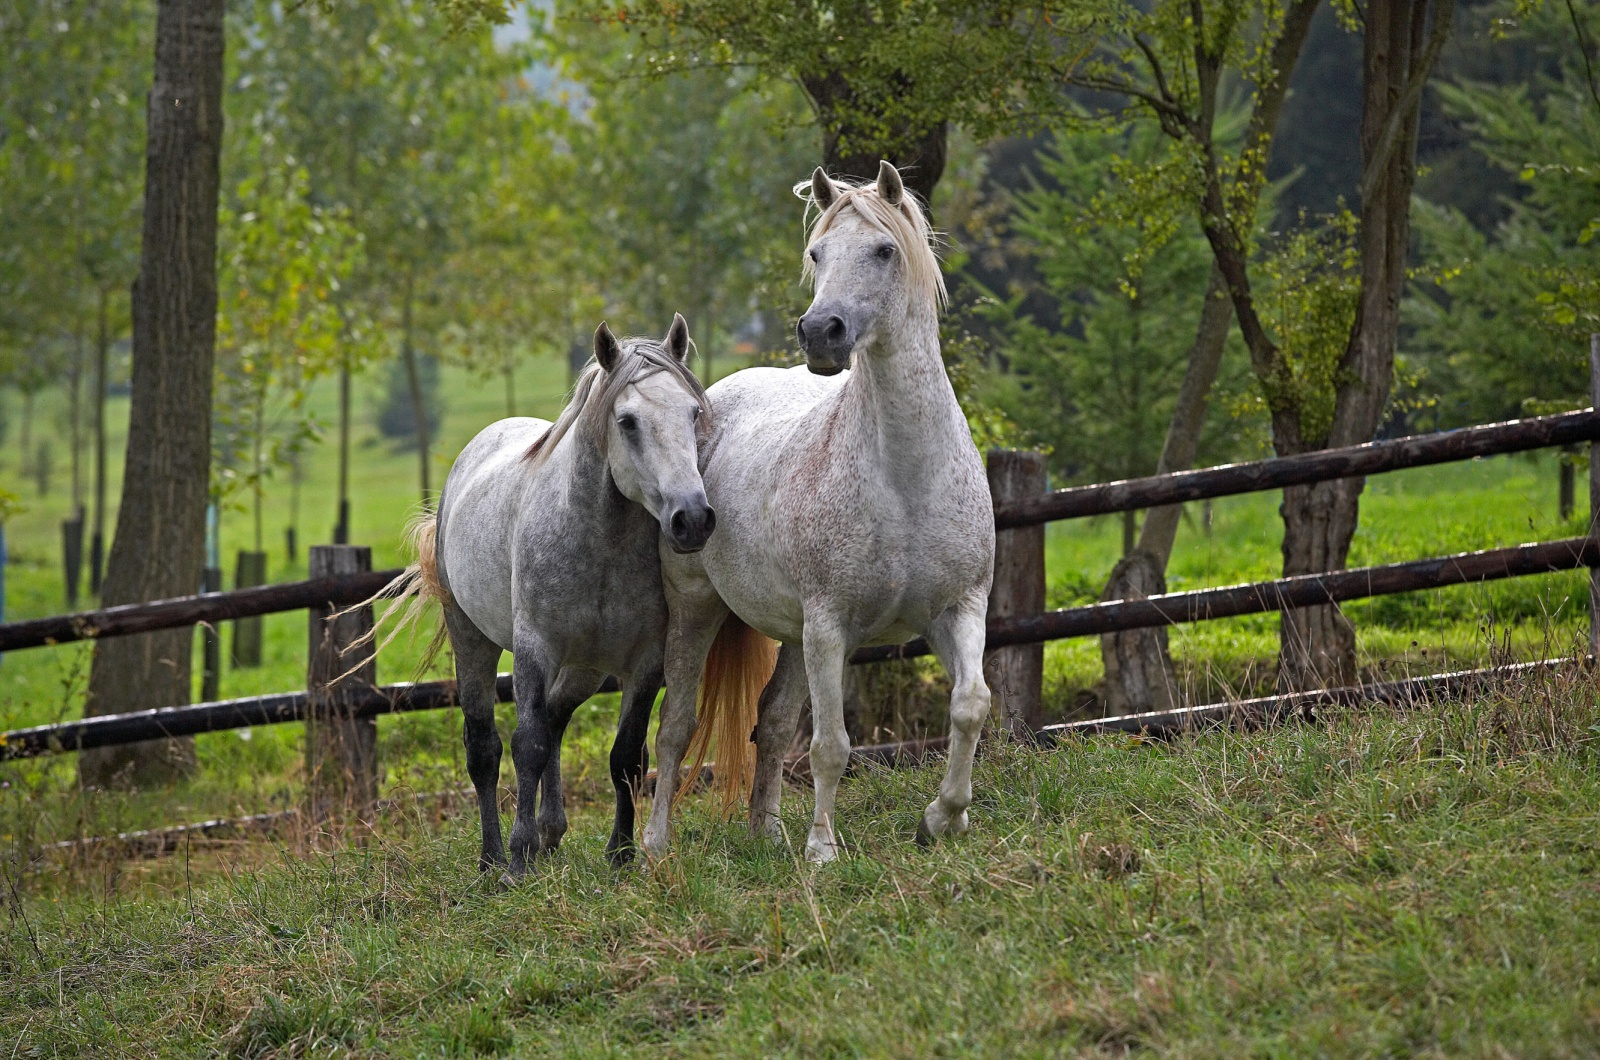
[1376, 884]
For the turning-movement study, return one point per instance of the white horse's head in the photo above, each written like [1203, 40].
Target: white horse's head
[870, 259]
[653, 429]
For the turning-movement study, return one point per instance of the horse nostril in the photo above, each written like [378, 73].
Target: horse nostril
[836, 329]
[679, 523]
[711, 520]
[800, 329]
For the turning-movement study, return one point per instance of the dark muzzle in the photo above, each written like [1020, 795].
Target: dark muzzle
[827, 339]
[689, 527]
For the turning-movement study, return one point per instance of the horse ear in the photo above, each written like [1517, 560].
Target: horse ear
[606, 347]
[677, 340]
[890, 188]
[822, 190]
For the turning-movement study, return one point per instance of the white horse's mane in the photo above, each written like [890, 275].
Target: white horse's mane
[597, 390]
[907, 224]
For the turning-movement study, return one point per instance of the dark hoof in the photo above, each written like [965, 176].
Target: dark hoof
[924, 837]
[620, 857]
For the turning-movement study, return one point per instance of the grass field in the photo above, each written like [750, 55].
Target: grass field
[1378, 884]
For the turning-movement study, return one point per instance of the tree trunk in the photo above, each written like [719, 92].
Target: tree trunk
[1317, 645]
[419, 400]
[341, 529]
[1138, 664]
[159, 549]
[848, 151]
[97, 543]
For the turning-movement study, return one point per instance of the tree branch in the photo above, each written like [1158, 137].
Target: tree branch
[1401, 115]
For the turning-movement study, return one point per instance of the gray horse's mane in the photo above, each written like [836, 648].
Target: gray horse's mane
[597, 390]
[906, 223]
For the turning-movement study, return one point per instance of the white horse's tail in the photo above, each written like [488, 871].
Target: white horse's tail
[412, 590]
[738, 667]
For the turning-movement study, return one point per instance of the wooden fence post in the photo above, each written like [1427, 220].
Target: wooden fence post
[341, 750]
[1594, 500]
[1016, 674]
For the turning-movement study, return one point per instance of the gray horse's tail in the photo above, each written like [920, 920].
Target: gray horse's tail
[738, 667]
[411, 591]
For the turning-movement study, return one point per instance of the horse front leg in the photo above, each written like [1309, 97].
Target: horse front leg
[567, 694]
[630, 758]
[531, 745]
[693, 621]
[477, 658]
[824, 652]
[779, 712]
[957, 637]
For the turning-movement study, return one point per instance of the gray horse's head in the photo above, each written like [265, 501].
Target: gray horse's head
[653, 430]
[870, 259]
[645, 411]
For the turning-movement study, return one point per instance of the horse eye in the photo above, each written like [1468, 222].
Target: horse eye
[697, 412]
[627, 422]
[885, 252]
[815, 257]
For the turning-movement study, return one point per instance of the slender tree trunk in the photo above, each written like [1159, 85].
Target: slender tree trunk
[25, 439]
[419, 401]
[160, 544]
[1399, 50]
[75, 417]
[97, 542]
[1138, 663]
[258, 465]
[341, 533]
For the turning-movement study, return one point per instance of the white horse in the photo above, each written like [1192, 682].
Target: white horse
[545, 545]
[853, 509]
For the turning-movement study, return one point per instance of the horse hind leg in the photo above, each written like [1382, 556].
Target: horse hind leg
[779, 713]
[630, 758]
[957, 638]
[477, 658]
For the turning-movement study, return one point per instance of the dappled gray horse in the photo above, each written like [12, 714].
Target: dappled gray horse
[545, 544]
[853, 509]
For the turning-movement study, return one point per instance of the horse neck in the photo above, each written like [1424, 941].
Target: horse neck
[900, 404]
[592, 497]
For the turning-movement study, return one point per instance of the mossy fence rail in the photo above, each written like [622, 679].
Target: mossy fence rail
[341, 748]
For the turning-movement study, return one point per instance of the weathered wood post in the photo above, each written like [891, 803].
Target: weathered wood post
[341, 749]
[1016, 674]
[1594, 501]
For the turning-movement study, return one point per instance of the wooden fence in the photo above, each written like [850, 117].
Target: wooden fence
[341, 747]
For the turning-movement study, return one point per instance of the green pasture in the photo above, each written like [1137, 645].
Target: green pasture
[1379, 884]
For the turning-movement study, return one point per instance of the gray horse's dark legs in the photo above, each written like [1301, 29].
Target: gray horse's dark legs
[531, 744]
[476, 660]
[630, 758]
[777, 717]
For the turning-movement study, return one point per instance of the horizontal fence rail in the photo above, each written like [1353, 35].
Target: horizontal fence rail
[112, 730]
[1306, 590]
[1309, 590]
[182, 611]
[1421, 450]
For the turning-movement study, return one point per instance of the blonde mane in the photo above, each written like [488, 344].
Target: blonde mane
[597, 390]
[907, 224]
